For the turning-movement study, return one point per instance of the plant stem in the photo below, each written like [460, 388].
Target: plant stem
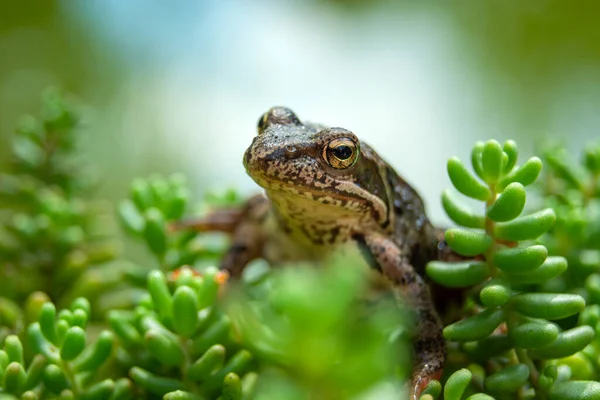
[70, 375]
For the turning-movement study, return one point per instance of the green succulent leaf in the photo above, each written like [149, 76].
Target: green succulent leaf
[491, 161]
[181, 395]
[575, 390]
[123, 390]
[207, 292]
[141, 194]
[154, 383]
[215, 333]
[480, 396]
[14, 349]
[35, 372]
[566, 170]
[434, 389]
[99, 391]
[205, 366]
[466, 242]
[67, 316]
[232, 387]
[512, 153]
[47, 321]
[592, 159]
[4, 361]
[14, 377]
[567, 343]
[160, 191]
[459, 213]
[131, 218]
[164, 348]
[525, 175]
[73, 344]
[548, 305]
[476, 158]
[457, 384]
[67, 394]
[161, 297]
[30, 395]
[458, 274]
[124, 329]
[62, 326]
[534, 334]
[509, 204]
[80, 318]
[495, 293]
[488, 347]
[475, 327]
[592, 286]
[527, 227]
[155, 231]
[94, 356]
[54, 379]
[465, 182]
[520, 259]
[40, 344]
[177, 205]
[551, 268]
[185, 311]
[508, 380]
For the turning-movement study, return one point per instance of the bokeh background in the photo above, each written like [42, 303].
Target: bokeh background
[179, 85]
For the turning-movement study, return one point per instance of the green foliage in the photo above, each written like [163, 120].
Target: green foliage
[53, 239]
[573, 190]
[179, 340]
[314, 339]
[155, 206]
[63, 365]
[515, 329]
[528, 329]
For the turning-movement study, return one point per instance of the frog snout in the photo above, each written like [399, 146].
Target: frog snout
[256, 160]
[248, 157]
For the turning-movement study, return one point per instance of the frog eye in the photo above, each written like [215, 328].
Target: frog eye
[262, 122]
[277, 116]
[341, 153]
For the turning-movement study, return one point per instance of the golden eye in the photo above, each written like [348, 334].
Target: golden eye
[341, 153]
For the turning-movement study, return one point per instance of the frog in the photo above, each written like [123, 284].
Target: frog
[323, 189]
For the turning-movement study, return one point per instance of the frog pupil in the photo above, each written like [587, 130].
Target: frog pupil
[342, 152]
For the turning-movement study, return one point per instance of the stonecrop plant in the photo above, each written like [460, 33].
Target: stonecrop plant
[64, 365]
[54, 236]
[528, 328]
[516, 336]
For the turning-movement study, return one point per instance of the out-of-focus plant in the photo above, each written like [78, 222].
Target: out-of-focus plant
[317, 340]
[54, 239]
[155, 205]
[64, 365]
[573, 191]
[529, 328]
[506, 332]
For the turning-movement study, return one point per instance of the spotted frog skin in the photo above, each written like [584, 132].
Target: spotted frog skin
[324, 188]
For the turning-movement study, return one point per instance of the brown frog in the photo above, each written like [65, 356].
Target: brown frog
[325, 188]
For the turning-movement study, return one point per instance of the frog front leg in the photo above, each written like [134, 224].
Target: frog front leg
[245, 225]
[429, 345]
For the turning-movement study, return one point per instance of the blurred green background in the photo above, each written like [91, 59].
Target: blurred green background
[179, 86]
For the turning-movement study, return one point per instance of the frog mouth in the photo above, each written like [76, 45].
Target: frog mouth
[327, 194]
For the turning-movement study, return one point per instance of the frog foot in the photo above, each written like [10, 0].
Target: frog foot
[421, 380]
[221, 277]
